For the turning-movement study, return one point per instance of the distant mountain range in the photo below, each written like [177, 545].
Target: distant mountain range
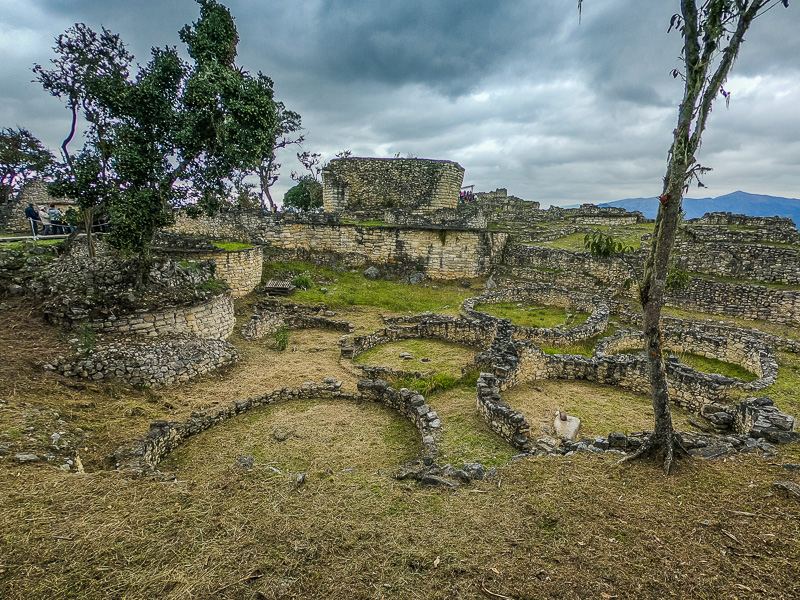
[754, 205]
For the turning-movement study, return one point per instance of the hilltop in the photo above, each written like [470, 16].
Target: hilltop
[753, 205]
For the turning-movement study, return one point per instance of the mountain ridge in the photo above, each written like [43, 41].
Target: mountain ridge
[754, 205]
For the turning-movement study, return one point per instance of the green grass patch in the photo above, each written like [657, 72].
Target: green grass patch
[713, 365]
[630, 235]
[427, 355]
[582, 347]
[341, 289]
[546, 317]
[784, 390]
[232, 246]
[212, 285]
[23, 244]
[465, 435]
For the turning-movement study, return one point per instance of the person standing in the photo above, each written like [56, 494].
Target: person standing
[33, 217]
[45, 219]
[55, 219]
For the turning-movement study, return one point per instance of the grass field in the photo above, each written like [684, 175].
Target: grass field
[578, 527]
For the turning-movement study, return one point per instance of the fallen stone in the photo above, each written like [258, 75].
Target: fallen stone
[789, 486]
[24, 458]
[433, 480]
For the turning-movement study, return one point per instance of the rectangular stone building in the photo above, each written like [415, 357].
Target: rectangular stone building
[413, 184]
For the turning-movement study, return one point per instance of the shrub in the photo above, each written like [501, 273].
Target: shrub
[282, 337]
[302, 281]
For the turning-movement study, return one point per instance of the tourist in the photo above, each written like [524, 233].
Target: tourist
[45, 219]
[55, 219]
[33, 217]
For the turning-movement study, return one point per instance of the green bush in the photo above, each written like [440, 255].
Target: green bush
[302, 281]
[282, 337]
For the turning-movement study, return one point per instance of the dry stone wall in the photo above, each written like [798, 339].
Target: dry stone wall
[508, 423]
[459, 331]
[240, 269]
[152, 363]
[755, 262]
[738, 300]
[439, 253]
[413, 184]
[211, 319]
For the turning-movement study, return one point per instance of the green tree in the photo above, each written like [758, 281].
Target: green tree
[712, 31]
[179, 132]
[305, 196]
[87, 72]
[22, 158]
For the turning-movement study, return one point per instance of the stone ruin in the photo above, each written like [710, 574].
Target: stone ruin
[420, 225]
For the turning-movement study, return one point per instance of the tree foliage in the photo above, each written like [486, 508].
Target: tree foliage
[604, 245]
[305, 196]
[22, 158]
[177, 132]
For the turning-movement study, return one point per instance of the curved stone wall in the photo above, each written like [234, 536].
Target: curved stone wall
[152, 363]
[142, 456]
[240, 269]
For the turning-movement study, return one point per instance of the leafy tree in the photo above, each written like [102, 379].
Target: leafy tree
[22, 158]
[306, 195]
[87, 72]
[179, 132]
[712, 31]
[88, 67]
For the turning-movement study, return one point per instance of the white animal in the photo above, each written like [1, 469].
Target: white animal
[565, 426]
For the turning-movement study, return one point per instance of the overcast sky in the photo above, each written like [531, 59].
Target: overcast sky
[519, 92]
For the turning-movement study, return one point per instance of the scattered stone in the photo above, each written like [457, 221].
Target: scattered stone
[405, 356]
[300, 479]
[618, 441]
[433, 480]
[791, 466]
[490, 284]
[416, 278]
[24, 458]
[474, 470]
[245, 462]
[372, 273]
[281, 434]
[711, 451]
[566, 426]
[789, 486]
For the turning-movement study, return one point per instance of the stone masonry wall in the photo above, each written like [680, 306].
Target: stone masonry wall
[448, 329]
[408, 183]
[142, 456]
[508, 423]
[149, 363]
[240, 269]
[757, 262]
[440, 253]
[212, 319]
[738, 300]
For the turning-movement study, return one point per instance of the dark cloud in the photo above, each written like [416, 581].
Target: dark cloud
[519, 92]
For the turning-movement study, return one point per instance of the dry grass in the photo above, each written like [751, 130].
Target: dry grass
[602, 409]
[582, 527]
[437, 356]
